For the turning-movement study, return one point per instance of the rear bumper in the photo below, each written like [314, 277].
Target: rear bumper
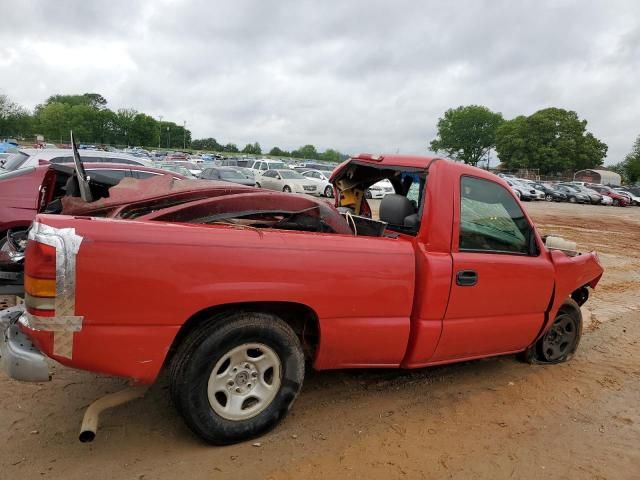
[19, 358]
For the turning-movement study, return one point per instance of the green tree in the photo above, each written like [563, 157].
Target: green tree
[308, 151]
[331, 155]
[15, 120]
[467, 133]
[81, 120]
[123, 124]
[551, 140]
[629, 168]
[248, 149]
[207, 144]
[231, 148]
[54, 121]
[277, 152]
[252, 149]
[105, 126]
[144, 130]
[93, 100]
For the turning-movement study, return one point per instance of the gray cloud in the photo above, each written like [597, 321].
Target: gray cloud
[357, 76]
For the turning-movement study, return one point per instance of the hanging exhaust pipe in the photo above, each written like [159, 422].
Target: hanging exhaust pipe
[91, 416]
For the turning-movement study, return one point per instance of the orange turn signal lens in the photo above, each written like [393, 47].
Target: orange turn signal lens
[40, 287]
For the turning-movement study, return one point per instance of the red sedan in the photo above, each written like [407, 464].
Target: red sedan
[619, 200]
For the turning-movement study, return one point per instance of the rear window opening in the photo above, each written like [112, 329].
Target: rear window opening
[401, 205]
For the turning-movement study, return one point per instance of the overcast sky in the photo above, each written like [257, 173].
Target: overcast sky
[357, 76]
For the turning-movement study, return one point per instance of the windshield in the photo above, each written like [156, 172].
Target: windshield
[15, 161]
[231, 174]
[276, 165]
[290, 174]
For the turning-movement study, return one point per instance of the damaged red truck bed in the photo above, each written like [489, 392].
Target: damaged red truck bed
[231, 288]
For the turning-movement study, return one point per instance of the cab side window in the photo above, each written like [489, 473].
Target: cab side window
[491, 220]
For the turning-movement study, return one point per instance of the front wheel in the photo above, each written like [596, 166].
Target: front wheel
[368, 194]
[258, 185]
[328, 192]
[573, 199]
[548, 197]
[616, 202]
[286, 189]
[237, 376]
[561, 340]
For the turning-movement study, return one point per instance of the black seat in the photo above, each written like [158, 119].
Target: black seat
[394, 209]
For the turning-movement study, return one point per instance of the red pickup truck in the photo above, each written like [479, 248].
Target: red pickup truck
[231, 289]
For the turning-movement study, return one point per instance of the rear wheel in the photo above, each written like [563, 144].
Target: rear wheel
[368, 194]
[258, 185]
[573, 199]
[236, 377]
[560, 342]
[616, 202]
[328, 192]
[548, 197]
[286, 189]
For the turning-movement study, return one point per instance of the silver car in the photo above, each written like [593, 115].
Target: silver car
[287, 181]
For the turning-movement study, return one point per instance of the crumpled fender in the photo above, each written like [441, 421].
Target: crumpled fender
[571, 274]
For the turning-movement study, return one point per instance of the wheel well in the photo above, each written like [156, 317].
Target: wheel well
[301, 318]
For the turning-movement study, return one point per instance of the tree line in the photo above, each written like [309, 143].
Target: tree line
[306, 151]
[552, 140]
[91, 121]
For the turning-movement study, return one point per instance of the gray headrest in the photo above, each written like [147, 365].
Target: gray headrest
[394, 208]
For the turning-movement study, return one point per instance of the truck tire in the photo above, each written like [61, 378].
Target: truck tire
[236, 376]
[561, 341]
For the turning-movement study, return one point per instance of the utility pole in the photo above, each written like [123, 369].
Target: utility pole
[160, 132]
[184, 133]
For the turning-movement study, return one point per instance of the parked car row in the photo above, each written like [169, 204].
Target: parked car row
[573, 192]
[276, 175]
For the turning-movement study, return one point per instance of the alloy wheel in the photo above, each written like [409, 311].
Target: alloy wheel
[560, 339]
[244, 381]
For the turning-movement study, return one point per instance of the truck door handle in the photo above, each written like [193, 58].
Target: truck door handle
[466, 278]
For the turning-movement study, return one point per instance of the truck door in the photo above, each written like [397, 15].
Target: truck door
[502, 278]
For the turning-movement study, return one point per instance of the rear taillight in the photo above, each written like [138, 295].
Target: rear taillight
[40, 261]
[40, 279]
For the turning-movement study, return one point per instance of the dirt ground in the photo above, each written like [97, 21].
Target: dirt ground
[494, 418]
